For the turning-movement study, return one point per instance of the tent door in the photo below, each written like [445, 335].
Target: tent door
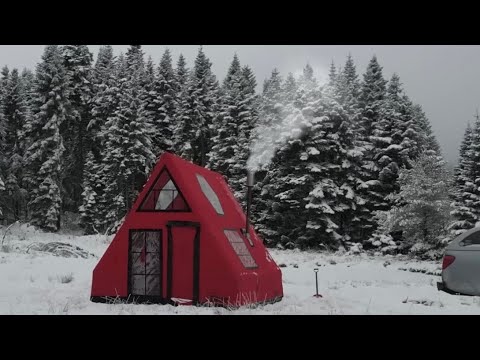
[145, 265]
[183, 262]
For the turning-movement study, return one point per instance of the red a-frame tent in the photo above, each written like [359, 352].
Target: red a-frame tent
[184, 242]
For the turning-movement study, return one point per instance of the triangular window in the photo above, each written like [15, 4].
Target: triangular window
[164, 196]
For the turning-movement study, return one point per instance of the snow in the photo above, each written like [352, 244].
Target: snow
[394, 147]
[41, 283]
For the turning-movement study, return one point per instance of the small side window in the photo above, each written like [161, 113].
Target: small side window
[210, 194]
[472, 239]
[238, 245]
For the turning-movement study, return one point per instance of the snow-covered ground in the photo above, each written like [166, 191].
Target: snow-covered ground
[40, 283]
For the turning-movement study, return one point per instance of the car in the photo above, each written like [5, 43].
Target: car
[461, 265]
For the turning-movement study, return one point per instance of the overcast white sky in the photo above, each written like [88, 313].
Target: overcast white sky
[445, 79]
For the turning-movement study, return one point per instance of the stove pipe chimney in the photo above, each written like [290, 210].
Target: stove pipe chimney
[250, 181]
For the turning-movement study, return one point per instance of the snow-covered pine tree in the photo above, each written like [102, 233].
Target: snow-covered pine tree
[348, 89]
[373, 92]
[464, 214]
[333, 160]
[372, 95]
[89, 209]
[410, 132]
[472, 185]
[233, 72]
[4, 78]
[249, 119]
[3, 85]
[283, 192]
[181, 73]
[208, 91]
[44, 157]
[128, 144]
[105, 97]
[111, 206]
[164, 106]
[351, 90]
[387, 139]
[2, 188]
[424, 215]
[427, 139]
[307, 88]
[332, 75]
[150, 71]
[14, 115]
[249, 80]
[28, 94]
[187, 120]
[197, 112]
[226, 144]
[282, 215]
[290, 179]
[271, 113]
[290, 88]
[394, 145]
[2, 149]
[78, 64]
[250, 104]
[237, 117]
[135, 64]
[150, 96]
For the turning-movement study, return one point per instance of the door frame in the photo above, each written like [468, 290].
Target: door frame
[196, 259]
[144, 298]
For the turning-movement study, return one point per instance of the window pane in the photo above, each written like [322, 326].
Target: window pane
[138, 284]
[165, 199]
[169, 186]
[210, 194]
[137, 241]
[164, 196]
[153, 241]
[233, 236]
[153, 286]
[240, 248]
[138, 263]
[163, 179]
[473, 239]
[149, 203]
[248, 261]
[153, 264]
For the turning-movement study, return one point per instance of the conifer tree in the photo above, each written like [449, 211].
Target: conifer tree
[77, 62]
[164, 106]
[128, 145]
[14, 117]
[44, 157]
[464, 210]
[197, 112]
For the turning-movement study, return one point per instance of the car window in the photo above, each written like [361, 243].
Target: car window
[472, 239]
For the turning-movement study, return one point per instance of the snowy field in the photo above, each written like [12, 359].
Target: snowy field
[37, 282]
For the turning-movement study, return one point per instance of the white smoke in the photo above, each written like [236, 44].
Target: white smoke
[269, 138]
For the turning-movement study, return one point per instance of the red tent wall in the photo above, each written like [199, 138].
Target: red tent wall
[222, 277]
